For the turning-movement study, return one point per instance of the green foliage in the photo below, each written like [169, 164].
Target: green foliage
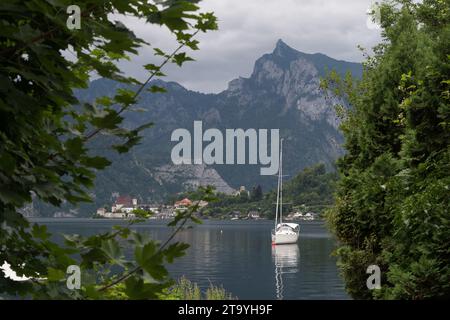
[217, 293]
[392, 207]
[187, 290]
[184, 290]
[45, 132]
[313, 188]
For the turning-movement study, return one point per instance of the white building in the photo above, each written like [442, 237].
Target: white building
[121, 209]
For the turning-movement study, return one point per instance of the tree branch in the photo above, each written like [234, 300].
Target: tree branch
[137, 268]
[96, 131]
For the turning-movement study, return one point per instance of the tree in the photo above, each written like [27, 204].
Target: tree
[392, 205]
[44, 135]
[257, 193]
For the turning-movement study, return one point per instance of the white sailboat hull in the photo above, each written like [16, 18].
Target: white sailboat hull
[286, 233]
[284, 238]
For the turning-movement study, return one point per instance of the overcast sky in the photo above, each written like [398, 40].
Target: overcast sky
[250, 28]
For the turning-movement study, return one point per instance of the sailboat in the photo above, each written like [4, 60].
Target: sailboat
[283, 233]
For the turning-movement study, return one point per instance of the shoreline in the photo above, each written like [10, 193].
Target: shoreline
[88, 219]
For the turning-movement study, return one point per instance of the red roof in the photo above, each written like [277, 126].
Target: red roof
[184, 202]
[124, 200]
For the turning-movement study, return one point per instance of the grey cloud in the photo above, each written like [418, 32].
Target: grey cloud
[250, 28]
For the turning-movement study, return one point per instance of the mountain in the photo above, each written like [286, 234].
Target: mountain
[282, 92]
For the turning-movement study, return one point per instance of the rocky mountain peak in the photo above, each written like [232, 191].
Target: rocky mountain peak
[283, 61]
[293, 79]
[282, 50]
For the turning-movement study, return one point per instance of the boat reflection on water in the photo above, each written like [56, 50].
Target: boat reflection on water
[286, 258]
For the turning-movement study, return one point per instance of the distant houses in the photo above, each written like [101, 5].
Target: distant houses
[124, 206]
[166, 212]
[242, 190]
[254, 215]
[251, 215]
[235, 215]
[309, 216]
[182, 204]
[101, 212]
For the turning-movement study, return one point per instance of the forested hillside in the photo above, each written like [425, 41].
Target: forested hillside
[310, 190]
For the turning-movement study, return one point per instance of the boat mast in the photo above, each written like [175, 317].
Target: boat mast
[278, 194]
[281, 182]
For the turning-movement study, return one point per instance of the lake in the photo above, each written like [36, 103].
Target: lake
[238, 255]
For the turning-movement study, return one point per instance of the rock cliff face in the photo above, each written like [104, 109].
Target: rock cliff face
[294, 77]
[191, 177]
[281, 93]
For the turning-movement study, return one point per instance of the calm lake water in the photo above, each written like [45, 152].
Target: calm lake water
[238, 255]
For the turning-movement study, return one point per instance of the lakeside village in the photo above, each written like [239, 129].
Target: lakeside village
[124, 205]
